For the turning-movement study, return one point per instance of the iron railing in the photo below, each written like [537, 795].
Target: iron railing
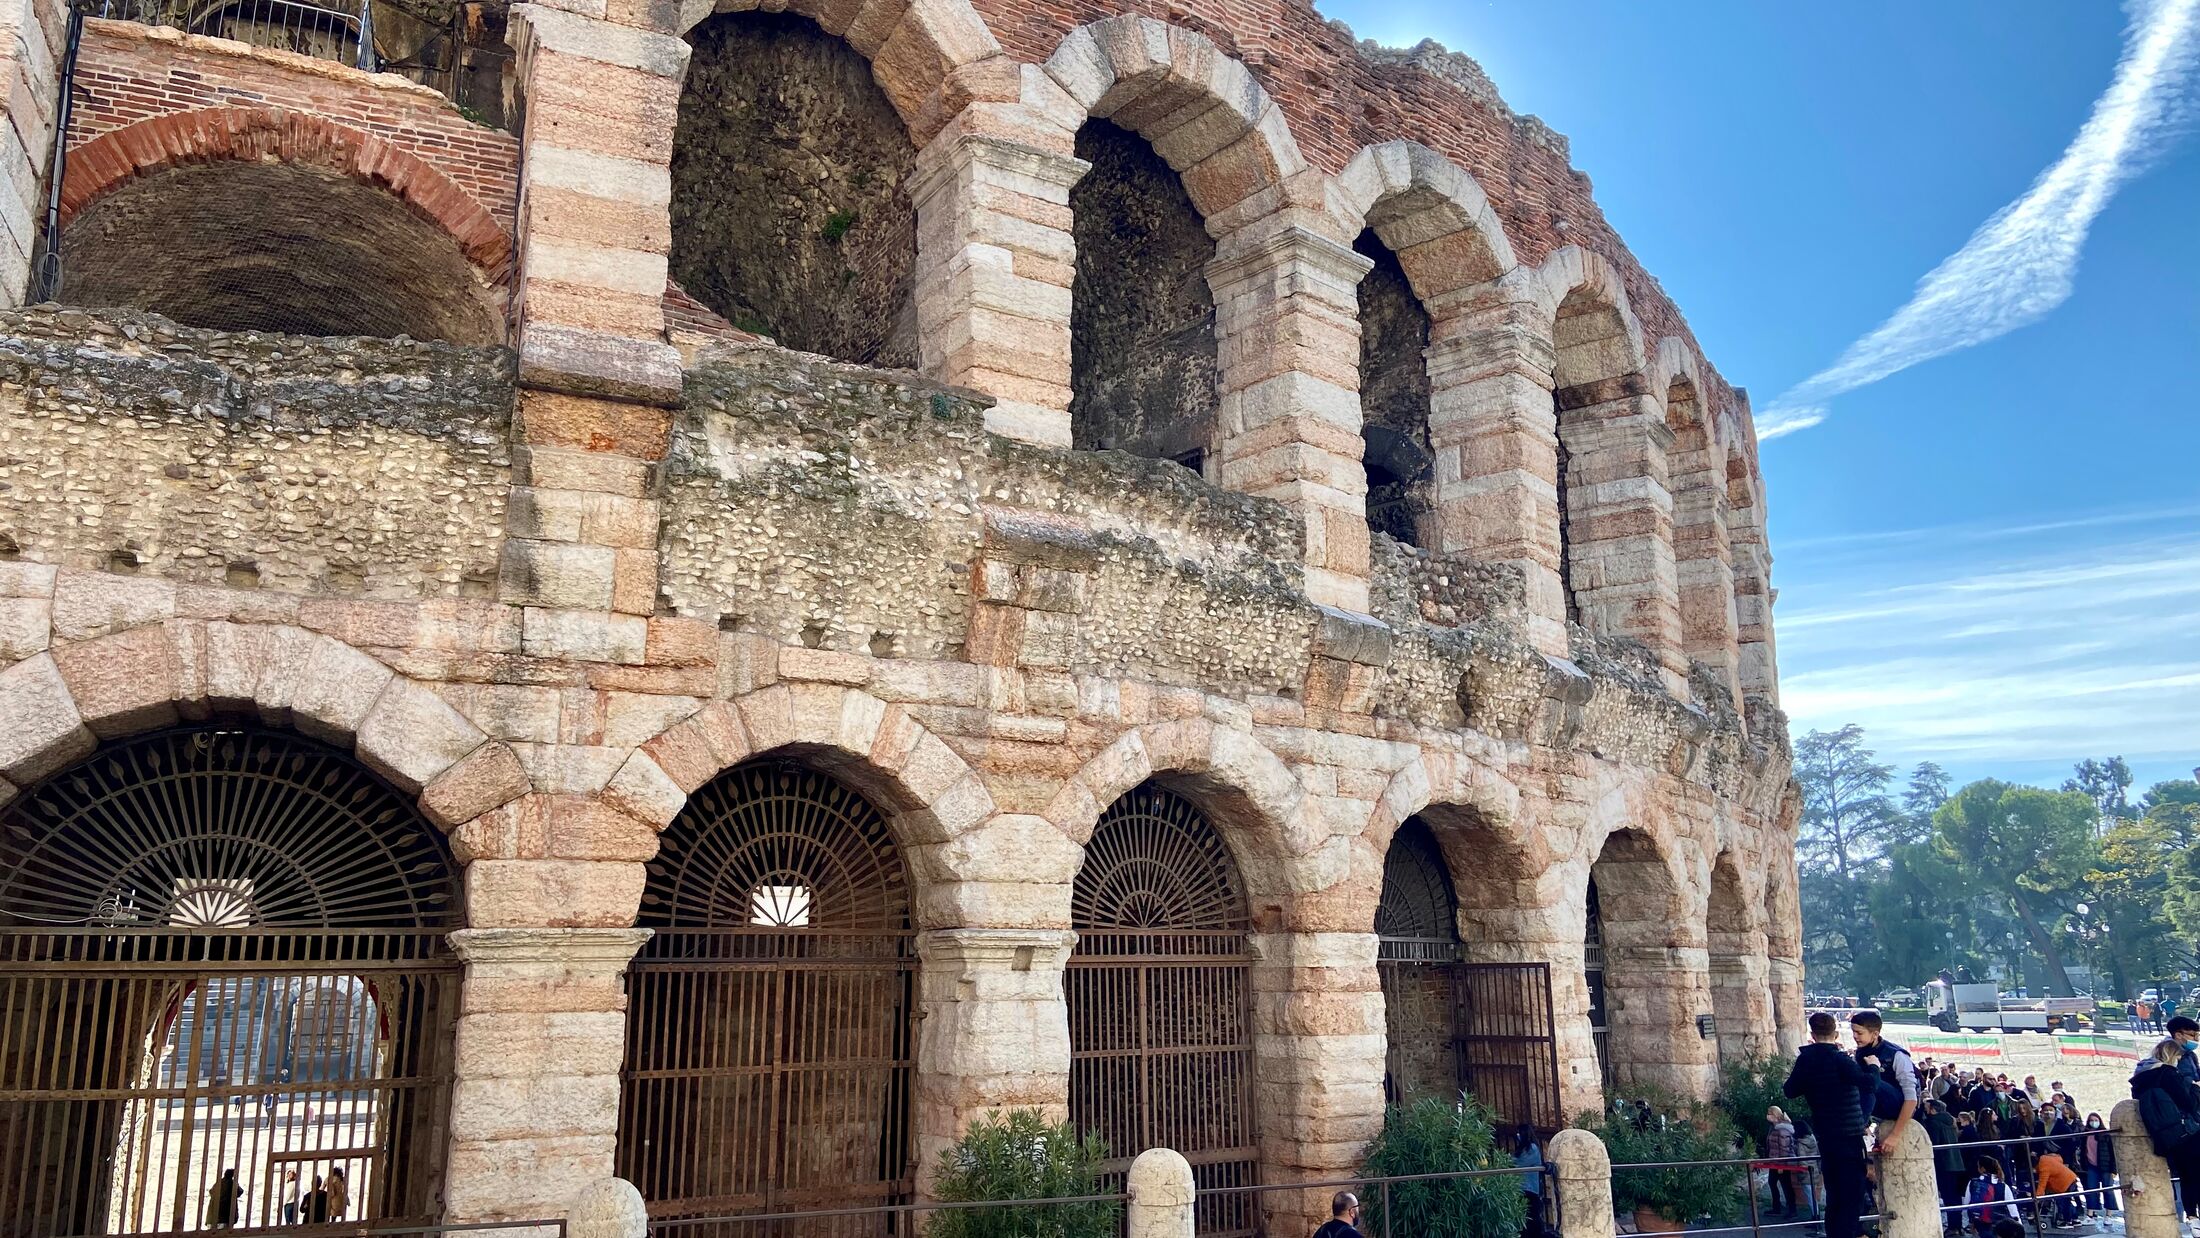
[1752, 1219]
[876, 1219]
[1383, 1197]
[551, 1227]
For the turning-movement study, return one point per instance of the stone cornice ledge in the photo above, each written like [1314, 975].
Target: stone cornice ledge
[614, 947]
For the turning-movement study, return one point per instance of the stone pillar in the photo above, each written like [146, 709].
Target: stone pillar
[1318, 1040]
[1287, 338]
[595, 221]
[32, 38]
[1619, 521]
[541, 1033]
[1584, 1173]
[2150, 1208]
[1909, 1194]
[994, 1033]
[1786, 985]
[1654, 987]
[611, 1208]
[1161, 1195]
[1757, 662]
[1704, 562]
[995, 259]
[1741, 994]
[1496, 443]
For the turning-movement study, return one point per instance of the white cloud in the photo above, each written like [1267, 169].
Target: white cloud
[2023, 262]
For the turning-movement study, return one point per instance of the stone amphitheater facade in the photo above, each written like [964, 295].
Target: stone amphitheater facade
[738, 408]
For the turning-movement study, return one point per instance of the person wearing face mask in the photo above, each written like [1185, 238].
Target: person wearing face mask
[2169, 1107]
[2186, 1033]
[2097, 1167]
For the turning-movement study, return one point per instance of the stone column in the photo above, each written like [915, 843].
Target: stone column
[1757, 662]
[1786, 984]
[1584, 1173]
[994, 1033]
[1909, 1193]
[1704, 562]
[1162, 1193]
[595, 204]
[32, 35]
[1318, 1040]
[541, 1033]
[1619, 522]
[995, 259]
[1653, 990]
[2150, 1208]
[1496, 443]
[1287, 338]
[1741, 994]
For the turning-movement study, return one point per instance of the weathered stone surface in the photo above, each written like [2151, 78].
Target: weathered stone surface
[411, 736]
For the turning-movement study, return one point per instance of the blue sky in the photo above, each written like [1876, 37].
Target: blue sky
[1992, 558]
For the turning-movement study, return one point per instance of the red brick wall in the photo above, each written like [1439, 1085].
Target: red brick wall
[127, 73]
[1339, 101]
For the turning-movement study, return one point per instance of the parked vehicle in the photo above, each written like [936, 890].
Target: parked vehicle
[1979, 1008]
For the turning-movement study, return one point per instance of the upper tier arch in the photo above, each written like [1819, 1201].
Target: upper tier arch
[1427, 210]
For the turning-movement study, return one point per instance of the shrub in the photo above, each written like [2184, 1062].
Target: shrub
[1432, 1136]
[1675, 1130]
[1021, 1155]
[1749, 1087]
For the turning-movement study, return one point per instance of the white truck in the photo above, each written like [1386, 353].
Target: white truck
[1981, 1008]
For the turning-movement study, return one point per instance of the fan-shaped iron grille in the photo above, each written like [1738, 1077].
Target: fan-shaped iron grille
[770, 1054]
[222, 948]
[1418, 917]
[221, 827]
[775, 845]
[1160, 1016]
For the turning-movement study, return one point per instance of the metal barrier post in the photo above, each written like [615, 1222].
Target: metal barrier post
[1584, 1172]
[2150, 1208]
[1161, 1193]
[1909, 1191]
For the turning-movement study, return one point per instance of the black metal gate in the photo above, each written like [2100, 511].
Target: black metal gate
[226, 998]
[1592, 974]
[1160, 1001]
[1483, 1028]
[770, 1057]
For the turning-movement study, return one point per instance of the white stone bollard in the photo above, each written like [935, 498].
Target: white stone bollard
[1584, 1172]
[2150, 1207]
[1161, 1190]
[1909, 1193]
[609, 1208]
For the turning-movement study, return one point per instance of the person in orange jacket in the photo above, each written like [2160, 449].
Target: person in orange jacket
[2052, 1177]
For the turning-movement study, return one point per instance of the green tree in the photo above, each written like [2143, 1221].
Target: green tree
[2127, 923]
[2030, 847]
[1021, 1155]
[2174, 808]
[2103, 782]
[1840, 847]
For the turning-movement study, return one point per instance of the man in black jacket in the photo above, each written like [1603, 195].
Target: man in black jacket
[1830, 1080]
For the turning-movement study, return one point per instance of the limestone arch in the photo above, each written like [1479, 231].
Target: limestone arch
[1427, 210]
[1474, 813]
[930, 57]
[152, 676]
[1200, 108]
[1248, 794]
[1734, 938]
[1697, 465]
[930, 795]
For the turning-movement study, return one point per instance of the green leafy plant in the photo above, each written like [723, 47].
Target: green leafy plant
[1020, 1155]
[1750, 1086]
[1674, 1130]
[1433, 1135]
[837, 225]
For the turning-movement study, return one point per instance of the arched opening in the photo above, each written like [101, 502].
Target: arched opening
[270, 245]
[1593, 366]
[1417, 956]
[1738, 972]
[1702, 559]
[791, 214]
[222, 964]
[1143, 371]
[1394, 398]
[769, 1047]
[1160, 1001]
[1592, 975]
[1639, 923]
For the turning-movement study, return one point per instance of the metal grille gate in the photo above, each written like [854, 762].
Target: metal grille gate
[770, 1056]
[1482, 1028]
[221, 964]
[1160, 1004]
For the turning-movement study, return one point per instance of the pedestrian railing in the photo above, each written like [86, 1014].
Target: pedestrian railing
[1396, 1205]
[1753, 1214]
[2041, 1212]
[552, 1227]
[1019, 1215]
